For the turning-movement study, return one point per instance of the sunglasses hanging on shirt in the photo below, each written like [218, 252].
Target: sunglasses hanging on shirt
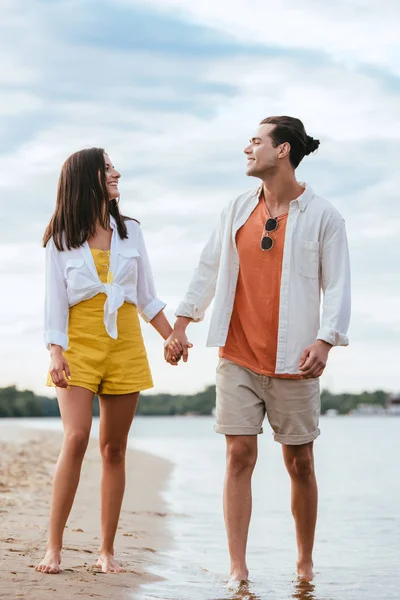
[266, 241]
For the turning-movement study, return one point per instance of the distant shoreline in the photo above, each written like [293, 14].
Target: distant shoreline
[17, 403]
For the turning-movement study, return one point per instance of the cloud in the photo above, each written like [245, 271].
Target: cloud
[174, 101]
[357, 32]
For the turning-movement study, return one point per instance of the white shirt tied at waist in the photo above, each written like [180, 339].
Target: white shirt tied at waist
[115, 299]
[315, 259]
[71, 277]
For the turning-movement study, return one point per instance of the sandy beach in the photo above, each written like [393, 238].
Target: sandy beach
[26, 466]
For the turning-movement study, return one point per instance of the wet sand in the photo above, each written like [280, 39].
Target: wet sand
[27, 459]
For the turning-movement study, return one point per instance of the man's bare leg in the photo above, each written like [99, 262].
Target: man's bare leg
[76, 414]
[299, 461]
[241, 457]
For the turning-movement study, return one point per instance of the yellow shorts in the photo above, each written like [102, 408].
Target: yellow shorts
[98, 362]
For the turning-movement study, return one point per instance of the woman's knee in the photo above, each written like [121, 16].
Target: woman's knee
[75, 443]
[113, 452]
[241, 454]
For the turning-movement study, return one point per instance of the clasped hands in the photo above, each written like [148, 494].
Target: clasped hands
[176, 346]
[312, 361]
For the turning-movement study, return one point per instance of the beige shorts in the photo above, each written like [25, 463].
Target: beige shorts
[244, 398]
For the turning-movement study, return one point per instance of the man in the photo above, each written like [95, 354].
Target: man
[273, 252]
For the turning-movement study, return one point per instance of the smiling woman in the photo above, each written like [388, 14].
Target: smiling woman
[86, 197]
[98, 279]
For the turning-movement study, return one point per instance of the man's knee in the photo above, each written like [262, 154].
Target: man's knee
[241, 454]
[300, 465]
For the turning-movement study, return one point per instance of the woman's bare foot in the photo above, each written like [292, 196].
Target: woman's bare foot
[108, 564]
[305, 571]
[51, 562]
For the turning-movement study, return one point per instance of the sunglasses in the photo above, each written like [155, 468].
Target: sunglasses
[266, 241]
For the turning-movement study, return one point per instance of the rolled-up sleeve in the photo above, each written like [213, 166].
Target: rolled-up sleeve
[147, 302]
[56, 301]
[335, 274]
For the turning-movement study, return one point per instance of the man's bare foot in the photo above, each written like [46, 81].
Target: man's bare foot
[305, 571]
[238, 578]
[51, 562]
[108, 564]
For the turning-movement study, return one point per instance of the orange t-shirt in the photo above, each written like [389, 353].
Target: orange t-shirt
[253, 330]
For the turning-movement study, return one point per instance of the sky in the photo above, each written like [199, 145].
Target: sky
[173, 89]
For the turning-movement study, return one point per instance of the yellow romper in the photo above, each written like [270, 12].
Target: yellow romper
[98, 362]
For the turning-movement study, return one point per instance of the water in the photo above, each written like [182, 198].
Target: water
[358, 532]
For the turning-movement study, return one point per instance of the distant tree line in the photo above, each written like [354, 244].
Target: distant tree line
[17, 403]
[345, 403]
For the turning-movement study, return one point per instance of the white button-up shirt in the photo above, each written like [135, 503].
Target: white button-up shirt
[315, 259]
[71, 277]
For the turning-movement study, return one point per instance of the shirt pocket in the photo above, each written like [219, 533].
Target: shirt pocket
[127, 268]
[71, 265]
[73, 272]
[309, 260]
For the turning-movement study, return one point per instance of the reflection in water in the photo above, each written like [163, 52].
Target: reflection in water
[243, 592]
[304, 590]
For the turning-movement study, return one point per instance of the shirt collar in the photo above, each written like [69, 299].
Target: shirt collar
[304, 198]
[113, 222]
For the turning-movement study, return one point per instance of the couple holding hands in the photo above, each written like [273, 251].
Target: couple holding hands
[273, 252]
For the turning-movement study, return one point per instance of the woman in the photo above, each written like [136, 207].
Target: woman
[98, 278]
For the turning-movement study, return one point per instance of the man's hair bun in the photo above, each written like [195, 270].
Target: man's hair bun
[311, 145]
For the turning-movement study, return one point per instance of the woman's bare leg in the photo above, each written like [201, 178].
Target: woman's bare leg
[116, 416]
[76, 413]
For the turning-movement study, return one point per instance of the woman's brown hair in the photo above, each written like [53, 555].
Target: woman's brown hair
[82, 201]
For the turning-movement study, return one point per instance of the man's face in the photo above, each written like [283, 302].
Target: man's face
[261, 154]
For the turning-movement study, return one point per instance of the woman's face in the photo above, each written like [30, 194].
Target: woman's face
[112, 177]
